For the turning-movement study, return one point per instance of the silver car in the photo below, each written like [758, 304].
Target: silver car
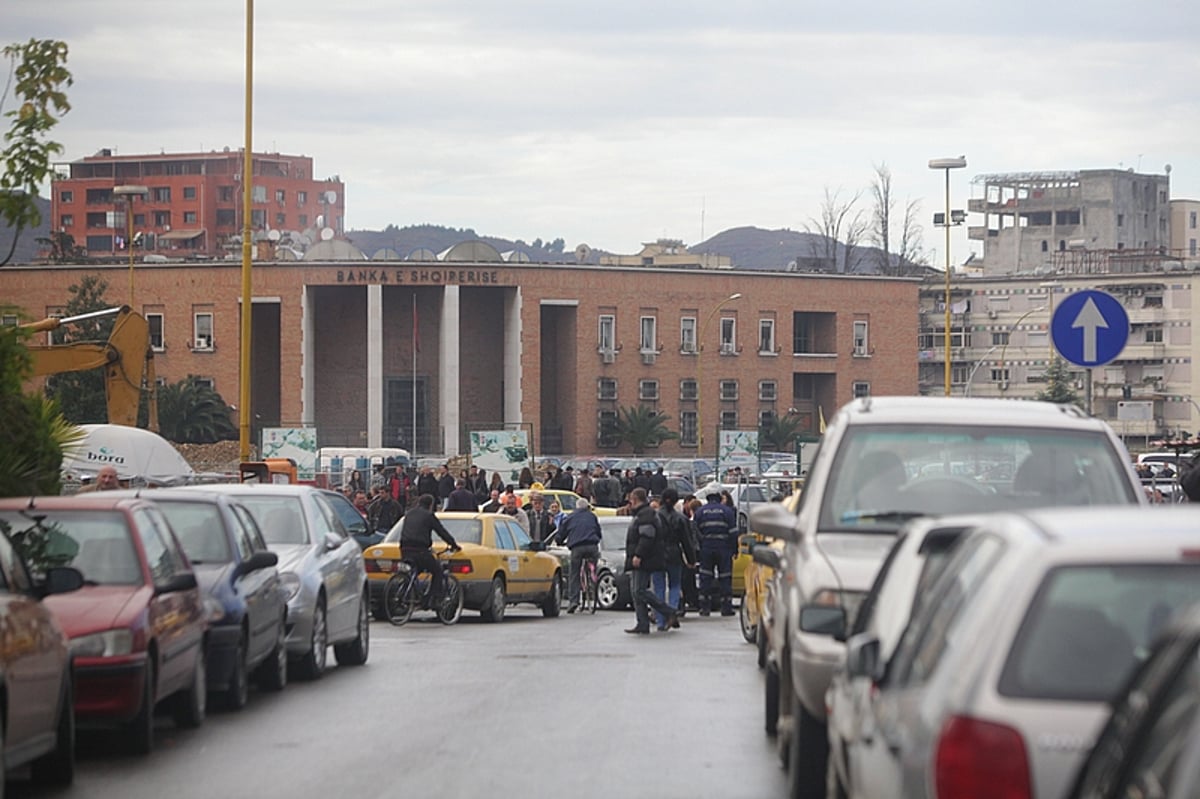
[321, 568]
[1004, 676]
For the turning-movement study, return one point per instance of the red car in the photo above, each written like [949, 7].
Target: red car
[137, 627]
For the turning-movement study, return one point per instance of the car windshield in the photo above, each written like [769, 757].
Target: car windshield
[886, 474]
[95, 542]
[1089, 626]
[200, 531]
[279, 517]
[465, 531]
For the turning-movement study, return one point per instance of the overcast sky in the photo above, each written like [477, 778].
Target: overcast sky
[620, 122]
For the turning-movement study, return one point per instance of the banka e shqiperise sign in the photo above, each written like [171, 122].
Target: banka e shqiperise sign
[419, 277]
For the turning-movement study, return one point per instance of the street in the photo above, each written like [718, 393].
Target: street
[531, 706]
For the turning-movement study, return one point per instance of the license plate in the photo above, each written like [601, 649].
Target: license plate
[383, 565]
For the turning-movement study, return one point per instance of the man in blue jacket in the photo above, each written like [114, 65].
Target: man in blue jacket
[718, 541]
[580, 531]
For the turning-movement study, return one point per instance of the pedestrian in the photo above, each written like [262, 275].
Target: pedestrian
[416, 540]
[493, 504]
[583, 485]
[356, 482]
[541, 523]
[496, 484]
[645, 554]
[477, 483]
[580, 532]
[525, 479]
[461, 498]
[445, 484]
[106, 480]
[377, 477]
[691, 595]
[658, 483]
[605, 490]
[383, 512]
[680, 556]
[509, 508]
[427, 483]
[718, 531]
[564, 480]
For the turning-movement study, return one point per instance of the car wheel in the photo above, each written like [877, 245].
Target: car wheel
[749, 631]
[312, 664]
[354, 653]
[552, 603]
[238, 693]
[809, 752]
[273, 673]
[58, 766]
[452, 606]
[771, 701]
[141, 728]
[760, 639]
[191, 706]
[493, 609]
[607, 595]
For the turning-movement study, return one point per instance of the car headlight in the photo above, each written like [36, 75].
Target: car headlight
[290, 581]
[214, 611]
[109, 643]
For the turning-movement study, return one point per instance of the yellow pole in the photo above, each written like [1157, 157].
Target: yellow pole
[946, 222]
[244, 411]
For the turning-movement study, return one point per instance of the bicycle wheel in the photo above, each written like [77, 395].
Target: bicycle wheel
[452, 604]
[398, 598]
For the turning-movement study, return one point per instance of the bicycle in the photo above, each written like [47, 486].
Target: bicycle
[406, 590]
[588, 582]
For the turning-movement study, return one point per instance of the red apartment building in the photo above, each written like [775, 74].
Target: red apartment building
[193, 201]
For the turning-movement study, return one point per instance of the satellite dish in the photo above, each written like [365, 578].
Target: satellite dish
[582, 252]
[326, 233]
[331, 197]
[274, 235]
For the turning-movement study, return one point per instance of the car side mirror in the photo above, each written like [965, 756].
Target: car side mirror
[180, 582]
[333, 540]
[823, 620]
[537, 546]
[259, 560]
[767, 556]
[61, 580]
[862, 657]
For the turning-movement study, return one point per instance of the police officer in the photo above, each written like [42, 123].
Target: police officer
[717, 523]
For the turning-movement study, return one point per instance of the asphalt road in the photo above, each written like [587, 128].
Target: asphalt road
[536, 707]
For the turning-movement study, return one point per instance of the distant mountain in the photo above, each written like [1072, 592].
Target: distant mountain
[27, 246]
[784, 250]
[406, 240]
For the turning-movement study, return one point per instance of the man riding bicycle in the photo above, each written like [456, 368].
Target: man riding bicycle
[580, 531]
[416, 541]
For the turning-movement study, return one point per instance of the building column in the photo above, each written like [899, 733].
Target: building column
[308, 403]
[374, 366]
[512, 357]
[449, 368]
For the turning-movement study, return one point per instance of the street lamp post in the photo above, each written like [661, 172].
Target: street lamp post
[979, 363]
[700, 372]
[128, 193]
[947, 164]
[1004, 349]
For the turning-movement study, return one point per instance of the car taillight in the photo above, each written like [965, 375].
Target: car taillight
[981, 760]
[460, 567]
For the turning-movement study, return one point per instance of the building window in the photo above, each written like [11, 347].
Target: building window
[280, 196]
[687, 428]
[959, 373]
[1120, 220]
[728, 336]
[729, 420]
[766, 336]
[280, 219]
[258, 194]
[203, 329]
[303, 220]
[225, 194]
[189, 217]
[729, 390]
[139, 220]
[189, 192]
[768, 390]
[226, 217]
[161, 194]
[155, 320]
[1154, 334]
[606, 388]
[301, 199]
[687, 334]
[258, 218]
[162, 218]
[1191, 246]
[606, 425]
[1152, 301]
[861, 389]
[860, 338]
[1000, 339]
[9, 320]
[766, 419]
[608, 333]
[648, 390]
[688, 390]
[69, 197]
[68, 220]
[206, 382]
[649, 334]
[999, 375]
[802, 334]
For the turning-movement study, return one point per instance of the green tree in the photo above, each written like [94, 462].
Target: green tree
[641, 427]
[1059, 387]
[191, 412]
[81, 395]
[34, 433]
[780, 434]
[41, 75]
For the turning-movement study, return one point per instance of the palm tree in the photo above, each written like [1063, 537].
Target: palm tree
[192, 412]
[641, 427]
[780, 433]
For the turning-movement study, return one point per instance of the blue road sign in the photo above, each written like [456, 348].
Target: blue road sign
[1089, 328]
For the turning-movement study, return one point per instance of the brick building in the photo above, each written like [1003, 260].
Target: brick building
[559, 348]
[193, 201]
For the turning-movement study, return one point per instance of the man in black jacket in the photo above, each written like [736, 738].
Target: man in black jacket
[416, 538]
[645, 554]
[681, 555]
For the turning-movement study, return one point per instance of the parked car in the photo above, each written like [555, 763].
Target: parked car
[565, 499]
[38, 714]
[498, 566]
[757, 577]
[612, 581]
[321, 568]
[884, 461]
[137, 627]
[244, 598]
[694, 470]
[1150, 745]
[1004, 676]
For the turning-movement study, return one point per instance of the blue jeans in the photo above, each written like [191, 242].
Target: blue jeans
[667, 586]
[645, 600]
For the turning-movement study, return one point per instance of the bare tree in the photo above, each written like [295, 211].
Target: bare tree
[856, 231]
[828, 229]
[912, 247]
[881, 217]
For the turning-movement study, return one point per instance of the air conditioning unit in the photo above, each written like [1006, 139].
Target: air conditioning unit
[728, 349]
[608, 356]
[649, 358]
[202, 343]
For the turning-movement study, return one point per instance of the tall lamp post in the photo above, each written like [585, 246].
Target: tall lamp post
[127, 193]
[699, 370]
[947, 164]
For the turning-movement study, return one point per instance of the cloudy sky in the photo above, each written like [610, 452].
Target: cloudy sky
[618, 122]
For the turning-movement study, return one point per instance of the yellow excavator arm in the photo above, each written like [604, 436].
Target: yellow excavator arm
[127, 360]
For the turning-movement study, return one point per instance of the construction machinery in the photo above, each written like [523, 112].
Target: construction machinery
[126, 357]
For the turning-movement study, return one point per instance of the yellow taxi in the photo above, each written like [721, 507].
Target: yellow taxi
[754, 615]
[565, 499]
[498, 566]
[785, 486]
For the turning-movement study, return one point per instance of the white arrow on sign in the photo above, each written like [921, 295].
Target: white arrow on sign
[1089, 319]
